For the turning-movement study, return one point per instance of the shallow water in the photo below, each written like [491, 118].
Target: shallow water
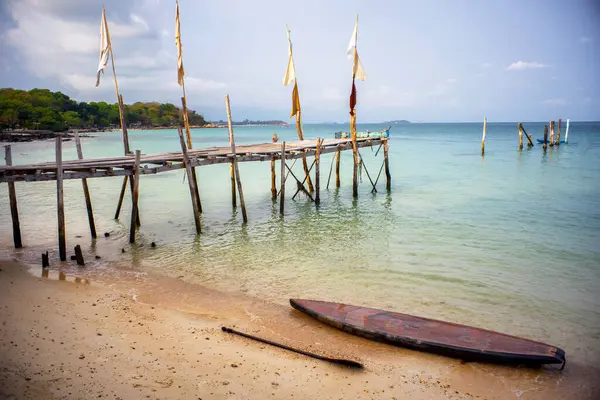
[508, 242]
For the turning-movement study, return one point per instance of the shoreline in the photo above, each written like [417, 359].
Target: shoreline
[168, 333]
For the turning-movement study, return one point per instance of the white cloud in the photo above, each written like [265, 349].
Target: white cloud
[585, 39]
[520, 65]
[555, 102]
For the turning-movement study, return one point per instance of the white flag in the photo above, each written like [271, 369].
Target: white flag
[180, 70]
[104, 47]
[357, 69]
[290, 72]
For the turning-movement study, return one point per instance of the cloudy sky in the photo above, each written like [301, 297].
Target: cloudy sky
[425, 60]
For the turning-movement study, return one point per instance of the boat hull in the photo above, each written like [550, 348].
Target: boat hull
[453, 340]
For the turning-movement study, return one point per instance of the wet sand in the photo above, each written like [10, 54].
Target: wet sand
[72, 336]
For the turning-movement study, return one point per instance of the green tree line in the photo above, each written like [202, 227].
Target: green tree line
[55, 111]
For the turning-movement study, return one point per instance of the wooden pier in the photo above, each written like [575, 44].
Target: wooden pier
[135, 165]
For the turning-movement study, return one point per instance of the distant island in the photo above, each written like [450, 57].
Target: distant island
[247, 122]
[398, 121]
[45, 111]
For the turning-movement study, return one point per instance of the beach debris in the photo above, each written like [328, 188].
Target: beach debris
[45, 261]
[122, 250]
[152, 244]
[79, 255]
[97, 257]
[348, 363]
[106, 234]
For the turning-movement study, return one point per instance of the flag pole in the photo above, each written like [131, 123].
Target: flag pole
[353, 119]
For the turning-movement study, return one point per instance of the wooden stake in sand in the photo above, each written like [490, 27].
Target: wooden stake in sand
[136, 187]
[79, 255]
[483, 137]
[520, 136]
[317, 176]
[273, 177]
[191, 181]
[282, 185]
[12, 195]
[86, 190]
[60, 204]
[234, 162]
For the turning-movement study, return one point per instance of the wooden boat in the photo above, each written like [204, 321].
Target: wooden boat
[454, 340]
[366, 134]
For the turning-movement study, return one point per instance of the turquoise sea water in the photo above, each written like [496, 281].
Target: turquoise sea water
[509, 241]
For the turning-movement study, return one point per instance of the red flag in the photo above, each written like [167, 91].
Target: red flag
[352, 98]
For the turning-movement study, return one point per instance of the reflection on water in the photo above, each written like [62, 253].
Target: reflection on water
[61, 276]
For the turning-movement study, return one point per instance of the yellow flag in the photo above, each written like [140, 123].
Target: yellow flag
[295, 100]
[290, 72]
[357, 69]
[180, 71]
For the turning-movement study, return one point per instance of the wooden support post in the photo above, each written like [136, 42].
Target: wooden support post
[558, 133]
[567, 132]
[282, 185]
[551, 133]
[529, 142]
[388, 184]
[86, 190]
[545, 145]
[136, 187]
[79, 255]
[520, 136]
[12, 196]
[483, 137]
[301, 137]
[45, 260]
[60, 204]
[317, 170]
[354, 155]
[191, 182]
[120, 203]
[121, 105]
[337, 168]
[234, 162]
[273, 177]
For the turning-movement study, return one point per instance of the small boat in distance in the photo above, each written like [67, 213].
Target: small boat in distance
[366, 134]
[460, 341]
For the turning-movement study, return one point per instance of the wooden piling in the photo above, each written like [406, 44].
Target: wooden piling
[567, 132]
[12, 195]
[282, 185]
[45, 260]
[124, 127]
[234, 162]
[301, 137]
[86, 190]
[231, 168]
[191, 180]
[520, 136]
[545, 145]
[317, 171]
[120, 203]
[558, 133]
[337, 168]
[388, 183]
[79, 255]
[273, 177]
[354, 155]
[188, 136]
[136, 187]
[483, 137]
[551, 133]
[529, 142]
[60, 204]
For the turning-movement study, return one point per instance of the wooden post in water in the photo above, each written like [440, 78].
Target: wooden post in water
[79, 255]
[520, 136]
[567, 132]
[136, 187]
[124, 127]
[558, 133]
[301, 137]
[86, 190]
[388, 184]
[282, 186]
[545, 145]
[551, 133]
[483, 137]
[354, 155]
[188, 135]
[60, 203]
[273, 177]
[234, 162]
[337, 168]
[120, 203]
[12, 195]
[191, 181]
[231, 169]
[317, 173]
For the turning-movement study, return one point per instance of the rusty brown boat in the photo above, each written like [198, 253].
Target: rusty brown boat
[445, 338]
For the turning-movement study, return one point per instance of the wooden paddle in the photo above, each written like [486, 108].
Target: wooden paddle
[348, 363]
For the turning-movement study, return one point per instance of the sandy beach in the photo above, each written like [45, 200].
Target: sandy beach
[67, 337]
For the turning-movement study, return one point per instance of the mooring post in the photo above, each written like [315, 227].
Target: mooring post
[188, 136]
[12, 195]
[558, 133]
[483, 137]
[317, 173]
[191, 181]
[551, 133]
[79, 255]
[234, 160]
[60, 204]
[388, 175]
[282, 189]
[545, 145]
[136, 187]
[120, 203]
[337, 168]
[273, 177]
[567, 132]
[86, 190]
[520, 136]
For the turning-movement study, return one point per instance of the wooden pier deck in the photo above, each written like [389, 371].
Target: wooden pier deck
[157, 163]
